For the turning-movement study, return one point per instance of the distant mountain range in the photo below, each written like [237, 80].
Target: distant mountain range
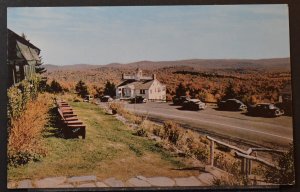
[273, 64]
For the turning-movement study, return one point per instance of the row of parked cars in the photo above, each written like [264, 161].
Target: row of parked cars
[261, 109]
[107, 98]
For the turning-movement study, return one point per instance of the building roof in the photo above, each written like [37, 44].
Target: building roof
[20, 48]
[17, 37]
[143, 84]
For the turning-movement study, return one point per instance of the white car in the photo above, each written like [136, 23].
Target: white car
[88, 98]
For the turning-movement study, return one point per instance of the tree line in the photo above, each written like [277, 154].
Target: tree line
[81, 89]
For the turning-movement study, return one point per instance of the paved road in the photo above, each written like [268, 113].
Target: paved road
[260, 130]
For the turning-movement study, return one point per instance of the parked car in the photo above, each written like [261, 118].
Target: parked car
[193, 104]
[88, 98]
[232, 105]
[106, 98]
[138, 99]
[179, 100]
[265, 109]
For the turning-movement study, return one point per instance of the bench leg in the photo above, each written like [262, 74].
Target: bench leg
[83, 133]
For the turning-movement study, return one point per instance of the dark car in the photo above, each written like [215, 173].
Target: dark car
[179, 100]
[193, 104]
[232, 105]
[138, 99]
[106, 98]
[265, 109]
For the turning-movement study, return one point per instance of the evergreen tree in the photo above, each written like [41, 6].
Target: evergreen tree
[180, 90]
[81, 89]
[55, 87]
[110, 89]
[38, 67]
[230, 92]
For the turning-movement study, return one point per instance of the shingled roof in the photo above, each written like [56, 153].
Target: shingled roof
[143, 84]
[20, 48]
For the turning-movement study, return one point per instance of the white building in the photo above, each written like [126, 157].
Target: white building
[138, 85]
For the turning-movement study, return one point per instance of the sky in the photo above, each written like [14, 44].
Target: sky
[103, 35]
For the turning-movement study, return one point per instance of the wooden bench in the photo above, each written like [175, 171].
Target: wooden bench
[72, 126]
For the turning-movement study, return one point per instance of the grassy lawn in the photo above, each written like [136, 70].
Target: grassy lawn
[109, 150]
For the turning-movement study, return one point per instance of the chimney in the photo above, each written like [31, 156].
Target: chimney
[153, 76]
[123, 74]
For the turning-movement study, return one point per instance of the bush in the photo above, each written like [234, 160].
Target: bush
[171, 131]
[157, 131]
[286, 175]
[19, 95]
[226, 164]
[25, 132]
[15, 102]
[200, 153]
[141, 132]
[117, 106]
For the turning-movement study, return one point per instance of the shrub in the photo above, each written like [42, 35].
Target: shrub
[286, 175]
[141, 132]
[157, 131]
[15, 102]
[117, 106]
[200, 153]
[20, 94]
[227, 164]
[171, 131]
[25, 132]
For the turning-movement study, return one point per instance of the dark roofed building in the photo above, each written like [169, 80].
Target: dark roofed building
[22, 57]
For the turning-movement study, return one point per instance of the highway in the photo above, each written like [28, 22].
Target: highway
[261, 131]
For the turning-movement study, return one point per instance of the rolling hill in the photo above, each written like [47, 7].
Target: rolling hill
[274, 64]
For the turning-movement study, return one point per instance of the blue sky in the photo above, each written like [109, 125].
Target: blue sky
[102, 35]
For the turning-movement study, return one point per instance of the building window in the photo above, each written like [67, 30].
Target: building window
[142, 91]
[150, 91]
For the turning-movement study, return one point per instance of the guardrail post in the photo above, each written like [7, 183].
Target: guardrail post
[243, 166]
[212, 146]
[247, 168]
[250, 167]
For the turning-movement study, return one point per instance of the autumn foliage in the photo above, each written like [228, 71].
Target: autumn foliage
[209, 85]
[25, 132]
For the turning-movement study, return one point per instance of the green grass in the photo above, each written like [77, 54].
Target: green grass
[110, 149]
